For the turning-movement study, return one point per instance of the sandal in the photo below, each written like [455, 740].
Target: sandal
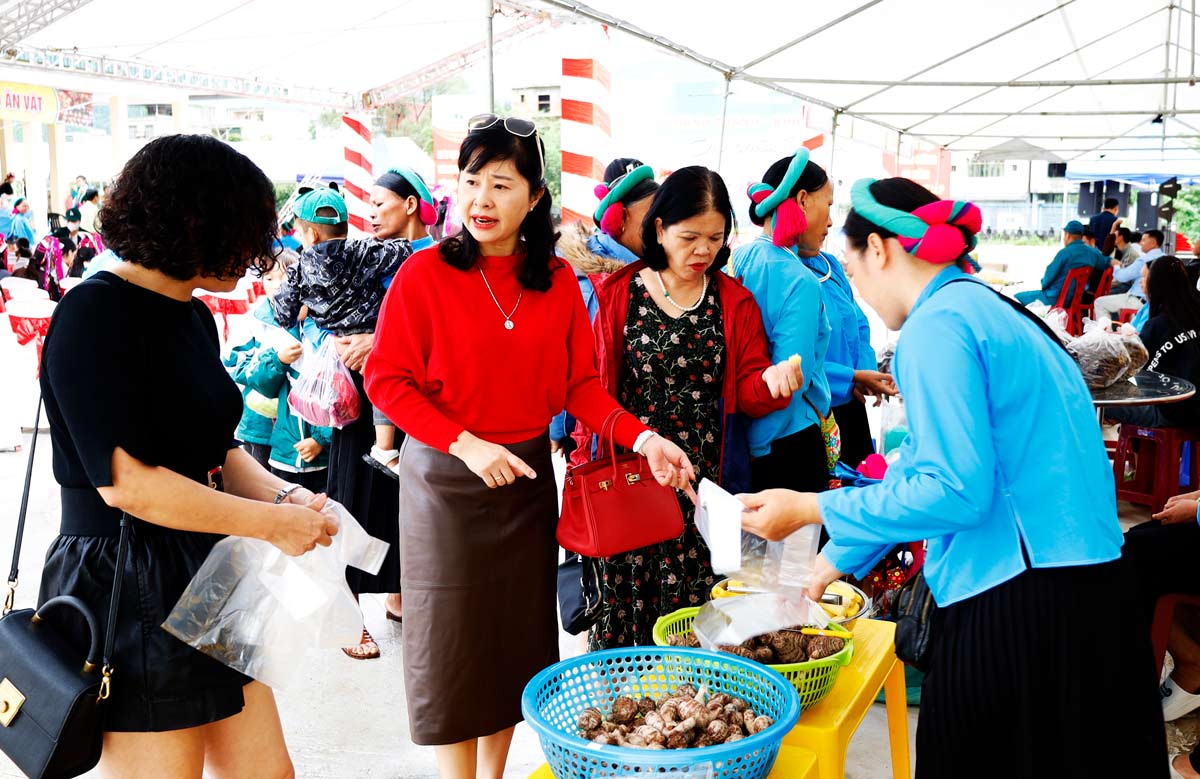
[366, 649]
[384, 460]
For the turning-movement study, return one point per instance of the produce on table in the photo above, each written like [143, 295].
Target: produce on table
[779, 647]
[686, 718]
[852, 602]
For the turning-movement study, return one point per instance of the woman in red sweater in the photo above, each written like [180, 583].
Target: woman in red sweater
[472, 359]
[681, 345]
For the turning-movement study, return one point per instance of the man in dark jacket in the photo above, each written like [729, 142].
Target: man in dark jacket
[1101, 224]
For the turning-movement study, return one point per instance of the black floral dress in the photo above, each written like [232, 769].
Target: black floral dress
[671, 379]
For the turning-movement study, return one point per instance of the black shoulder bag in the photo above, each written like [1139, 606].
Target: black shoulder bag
[915, 606]
[50, 723]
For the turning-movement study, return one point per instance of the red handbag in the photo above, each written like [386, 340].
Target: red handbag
[613, 504]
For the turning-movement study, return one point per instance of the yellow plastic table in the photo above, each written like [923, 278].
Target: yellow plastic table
[826, 729]
[792, 763]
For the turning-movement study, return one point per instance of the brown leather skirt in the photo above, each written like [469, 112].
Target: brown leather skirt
[478, 576]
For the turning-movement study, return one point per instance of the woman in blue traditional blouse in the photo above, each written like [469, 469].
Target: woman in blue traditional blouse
[788, 445]
[1039, 664]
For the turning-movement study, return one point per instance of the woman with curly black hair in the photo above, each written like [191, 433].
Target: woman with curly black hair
[483, 339]
[186, 212]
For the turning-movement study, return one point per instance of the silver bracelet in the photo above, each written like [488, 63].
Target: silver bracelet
[641, 440]
[284, 491]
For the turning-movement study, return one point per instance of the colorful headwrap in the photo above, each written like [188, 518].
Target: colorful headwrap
[611, 211]
[51, 247]
[931, 232]
[91, 241]
[788, 221]
[392, 180]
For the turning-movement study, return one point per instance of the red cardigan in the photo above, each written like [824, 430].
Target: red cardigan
[443, 363]
[746, 353]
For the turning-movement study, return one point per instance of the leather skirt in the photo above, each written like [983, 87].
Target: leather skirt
[159, 683]
[479, 581]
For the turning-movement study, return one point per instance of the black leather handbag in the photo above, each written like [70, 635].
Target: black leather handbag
[50, 696]
[915, 610]
[578, 593]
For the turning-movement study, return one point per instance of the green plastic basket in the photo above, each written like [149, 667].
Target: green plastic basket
[813, 679]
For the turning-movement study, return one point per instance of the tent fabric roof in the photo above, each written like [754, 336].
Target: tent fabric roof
[973, 73]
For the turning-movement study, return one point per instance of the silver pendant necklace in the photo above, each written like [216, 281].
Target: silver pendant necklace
[508, 323]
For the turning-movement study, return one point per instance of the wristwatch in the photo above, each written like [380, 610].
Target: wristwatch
[284, 491]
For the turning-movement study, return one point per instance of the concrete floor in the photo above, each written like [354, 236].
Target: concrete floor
[345, 719]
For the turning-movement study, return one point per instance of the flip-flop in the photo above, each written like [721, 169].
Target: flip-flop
[380, 466]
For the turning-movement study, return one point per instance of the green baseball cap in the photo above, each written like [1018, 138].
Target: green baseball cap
[308, 204]
[1074, 227]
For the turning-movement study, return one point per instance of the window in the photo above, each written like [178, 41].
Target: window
[980, 170]
[543, 104]
[141, 111]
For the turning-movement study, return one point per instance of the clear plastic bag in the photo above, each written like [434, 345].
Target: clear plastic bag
[325, 394]
[725, 621]
[893, 427]
[1056, 318]
[1102, 355]
[257, 610]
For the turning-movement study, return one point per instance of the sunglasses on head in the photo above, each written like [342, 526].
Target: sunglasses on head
[522, 128]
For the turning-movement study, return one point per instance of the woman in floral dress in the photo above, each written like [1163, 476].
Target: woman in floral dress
[682, 346]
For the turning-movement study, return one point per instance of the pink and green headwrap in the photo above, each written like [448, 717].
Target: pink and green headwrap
[931, 232]
[788, 221]
[610, 213]
[51, 248]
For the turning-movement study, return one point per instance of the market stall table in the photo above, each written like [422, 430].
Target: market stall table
[1145, 389]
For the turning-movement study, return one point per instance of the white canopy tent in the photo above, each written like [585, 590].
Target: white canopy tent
[1083, 79]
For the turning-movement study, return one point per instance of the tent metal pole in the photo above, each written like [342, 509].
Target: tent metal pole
[1144, 112]
[1192, 80]
[833, 142]
[1106, 37]
[1110, 140]
[1105, 82]
[1167, 57]
[490, 11]
[1050, 97]
[724, 114]
[807, 35]
[974, 47]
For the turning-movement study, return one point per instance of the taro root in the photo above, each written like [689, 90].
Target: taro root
[645, 706]
[764, 654]
[656, 720]
[695, 710]
[739, 704]
[609, 726]
[590, 719]
[650, 735]
[748, 719]
[655, 746]
[704, 740]
[733, 718]
[734, 735]
[736, 649]
[717, 730]
[685, 691]
[634, 740]
[687, 726]
[624, 710]
[677, 740]
[824, 646]
[759, 724]
[684, 640]
[720, 699]
[592, 735]
[606, 739]
[702, 693]
[670, 711]
[788, 646]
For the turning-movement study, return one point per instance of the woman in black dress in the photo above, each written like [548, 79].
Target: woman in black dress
[142, 418]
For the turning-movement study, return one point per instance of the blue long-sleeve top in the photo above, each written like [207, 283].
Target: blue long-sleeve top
[1076, 254]
[1004, 451]
[850, 347]
[794, 317]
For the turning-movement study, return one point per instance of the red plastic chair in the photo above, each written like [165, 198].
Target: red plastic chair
[1127, 314]
[1070, 298]
[1103, 287]
[1154, 454]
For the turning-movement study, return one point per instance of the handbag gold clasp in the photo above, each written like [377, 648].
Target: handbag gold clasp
[105, 683]
[632, 478]
[604, 485]
[11, 597]
[11, 700]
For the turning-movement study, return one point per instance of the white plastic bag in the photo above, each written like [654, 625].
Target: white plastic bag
[257, 610]
[325, 394]
[732, 621]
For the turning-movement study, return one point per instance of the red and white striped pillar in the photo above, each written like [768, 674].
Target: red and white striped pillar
[586, 123]
[356, 133]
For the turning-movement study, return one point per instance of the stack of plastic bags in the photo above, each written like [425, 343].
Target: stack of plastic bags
[1105, 357]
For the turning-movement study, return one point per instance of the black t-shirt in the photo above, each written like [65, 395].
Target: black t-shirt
[1175, 351]
[125, 366]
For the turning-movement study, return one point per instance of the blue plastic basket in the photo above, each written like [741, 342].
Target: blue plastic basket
[554, 699]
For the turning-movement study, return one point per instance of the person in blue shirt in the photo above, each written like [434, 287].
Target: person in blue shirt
[1111, 305]
[1074, 254]
[625, 197]
[21, 227]
[789, 446]
[1037, 639]
[851, 367]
